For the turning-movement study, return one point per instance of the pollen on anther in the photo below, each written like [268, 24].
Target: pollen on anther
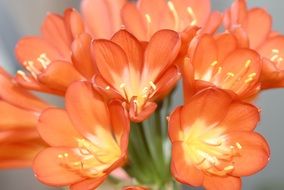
[275, 51]
[107, 87]
[239, 146]
[153, 85]
[214, 63]
[122, 85]
[230, 74]
[228, 168]
[23, 74]
[248, 62]
[60, 156]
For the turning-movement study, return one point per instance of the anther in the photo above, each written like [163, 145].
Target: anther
[44, 60]
[275, 51]
[214, 63]
[191, 13]
[23, 74]
[107, 87]
[239, 146]
[153, 85]
[248, 63]
[229, 168]
[175, 14]
[230, 74]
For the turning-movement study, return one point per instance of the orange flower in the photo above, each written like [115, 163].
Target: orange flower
[221, 62]
[58, 57]
[213, 142]
[254, 28]
[102, 17]
[19, 112]
[144, 18]
[138, 73]
[88, 140]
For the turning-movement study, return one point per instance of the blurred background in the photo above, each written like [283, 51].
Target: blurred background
[20, 18]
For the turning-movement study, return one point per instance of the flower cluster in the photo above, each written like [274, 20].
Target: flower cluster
[114, 65]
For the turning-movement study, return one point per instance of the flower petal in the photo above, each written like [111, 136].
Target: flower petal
[160, 53]
[182, 168]
[111, 61]
[175, 131]
[59, 75]
[253, 155]
[56, 129]
[134, 21]
[241, 117]
[226, 43]
[208, 106]
[133, 50]
[74, 21]
[13, 117]
[49, 169]
[86, 108]
[222, 183]
[259, 26]
[81, 56]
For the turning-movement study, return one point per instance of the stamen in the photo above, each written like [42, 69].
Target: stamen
[248, 80]
[214, 63]
[107, 87]
[248, 63]
[44, 60]
[219, 70]
[149, 21]
[123, 87]
[153, 85]
[252, 75]
[192, 15]
[230, 74]
[23, 74]
[239, 146]
[175, 14]
[229, 168]
[275, 51]
[274, 57]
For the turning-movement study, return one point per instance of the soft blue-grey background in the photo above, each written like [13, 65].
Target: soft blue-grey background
[24, 17]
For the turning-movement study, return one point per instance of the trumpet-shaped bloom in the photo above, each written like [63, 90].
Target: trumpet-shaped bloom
[144, 18]
[135, 72]
[88, 140]
[254, 28]
[221, 62]
[102, 17]
[58, 57]
[19, 112]
[214, 143]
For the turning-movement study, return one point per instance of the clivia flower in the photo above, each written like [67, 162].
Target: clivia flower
[214, 143]
[60, 56]
[88, 141]
[138, 73]
[220, 61]
[254, 28]
[143, 19]
[19, 112]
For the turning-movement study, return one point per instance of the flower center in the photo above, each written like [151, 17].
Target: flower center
[208, 148]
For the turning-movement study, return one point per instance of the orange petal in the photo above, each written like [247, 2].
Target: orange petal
[166, 82]
[202, 62]
[156, 12]
[182, 168]
[19, 155]
[200, 11]
[54, 31]
[222, 183]
[226, 43]
[15, 95]
[59, 75]
[259, 26]
[97, 17]
[32, 48]
[213, 23]
[241, 117]
[50, 169]
[160, 53]
[86, 108]
[175, 131]
[239, 12]
[209, 106]
[111, 61]
[56, 128]
[120, 123]
[81, 56]
[74, 22]
[13, 117]
[88, 184]
[133, 50]
[133, 21]
[253, 155]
